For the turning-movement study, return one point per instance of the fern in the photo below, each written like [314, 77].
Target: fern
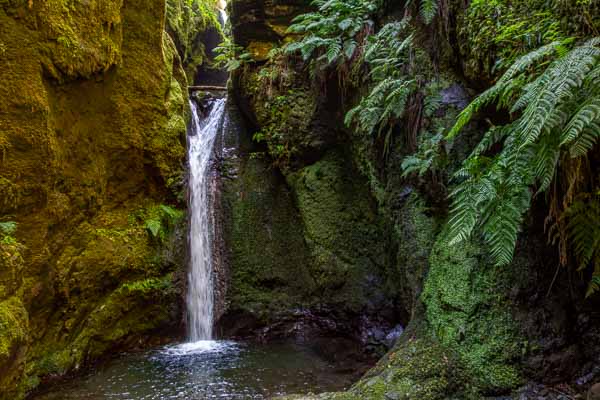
[154, 226]
[161, 220]
[429, 9]
[231, 56]
[388, 54]
[559, 115]
[329, 34]
[594, 285]
[8, 228]
[427, 156]
[584, 233]
[494, 93]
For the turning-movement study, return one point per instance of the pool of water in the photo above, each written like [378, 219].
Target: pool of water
[207, 370]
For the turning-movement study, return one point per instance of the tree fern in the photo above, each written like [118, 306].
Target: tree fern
[559, 116]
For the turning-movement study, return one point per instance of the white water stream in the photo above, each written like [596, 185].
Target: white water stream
[200, 296]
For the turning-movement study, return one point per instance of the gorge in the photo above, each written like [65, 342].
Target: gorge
[390, 200]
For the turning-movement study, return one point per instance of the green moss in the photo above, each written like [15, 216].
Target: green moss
[414, 233]
[135, 309]
[342, 230]
[468, 311]
[415, 369]
[285, 123]
[269, 258]
[187, 22]
[94, 96]
[284, 108]
[82, 41]
[494, 33]
[14, 327]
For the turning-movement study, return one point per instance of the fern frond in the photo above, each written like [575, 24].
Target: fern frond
[593, 286]
[585, 141]
[492, 93]
[588, 113]
[546, 158]
[560, 112]
[429, 9]
[584, 231]
[8, 228]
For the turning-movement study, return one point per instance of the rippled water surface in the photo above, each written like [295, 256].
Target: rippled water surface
[207, 370]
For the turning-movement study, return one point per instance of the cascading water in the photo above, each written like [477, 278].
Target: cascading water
[200, 297]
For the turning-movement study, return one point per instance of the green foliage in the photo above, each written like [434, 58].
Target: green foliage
[428, 10]
[330, 33]
[584, 233]
[558, 115]
[161, 220]
[335, 33]
[275, 134]
[497, 32]
[388, 54]
[149, 285]
[186, 23]
[7, 230]
[426, 158]
[231, 56]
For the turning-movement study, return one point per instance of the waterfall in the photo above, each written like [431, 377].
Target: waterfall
[200, 295]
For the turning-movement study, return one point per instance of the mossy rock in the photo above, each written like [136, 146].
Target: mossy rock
[94, 113]
[343, 231]
[268, 257]
[494, 33]
[188, 23]
[415, 369]
[14, 338]
[468, 310]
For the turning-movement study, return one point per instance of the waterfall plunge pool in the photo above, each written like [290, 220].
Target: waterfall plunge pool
[207, 370]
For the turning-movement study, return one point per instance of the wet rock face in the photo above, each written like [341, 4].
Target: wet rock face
[259, 25]
[302, 248]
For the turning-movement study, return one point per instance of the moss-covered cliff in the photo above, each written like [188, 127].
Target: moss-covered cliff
[472, 325]
[92, 141]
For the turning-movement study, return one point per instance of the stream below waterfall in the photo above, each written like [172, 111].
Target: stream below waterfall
[207, 370]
